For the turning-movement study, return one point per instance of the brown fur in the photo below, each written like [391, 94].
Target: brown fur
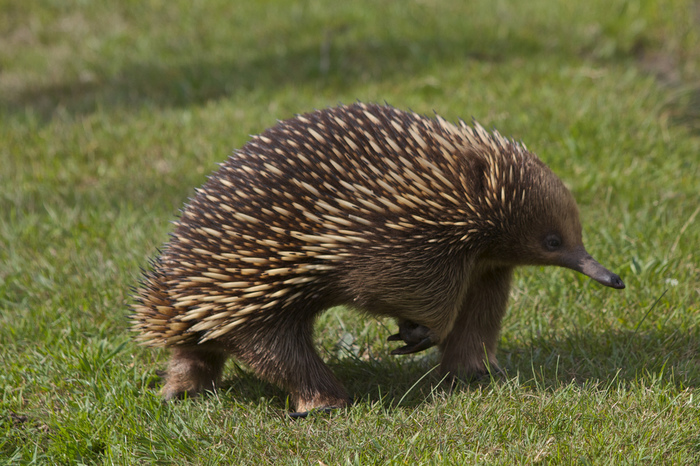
[392, 213]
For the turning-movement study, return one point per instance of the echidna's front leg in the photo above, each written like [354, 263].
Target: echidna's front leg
[192, 369]
[469, 350]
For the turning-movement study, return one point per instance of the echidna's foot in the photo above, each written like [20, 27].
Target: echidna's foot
[191, 371]
[178, 391]
[313, 412]
[481, 373]
[417, 338]
[321, 403]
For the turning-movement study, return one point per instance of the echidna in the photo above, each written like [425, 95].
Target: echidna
[392, 213]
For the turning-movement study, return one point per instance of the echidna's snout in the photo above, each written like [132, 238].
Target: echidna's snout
[607, 278]
[581, 261]
[616, 282]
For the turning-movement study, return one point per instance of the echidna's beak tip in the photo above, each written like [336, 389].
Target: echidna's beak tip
[582, 262]
[616, 282]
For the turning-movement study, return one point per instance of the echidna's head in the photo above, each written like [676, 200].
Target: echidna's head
[543, 227]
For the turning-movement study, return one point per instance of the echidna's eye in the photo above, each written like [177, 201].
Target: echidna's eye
[552, 242]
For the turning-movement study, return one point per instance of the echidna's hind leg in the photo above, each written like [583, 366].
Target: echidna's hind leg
[470, 349]
[287, 357]
[192, 369]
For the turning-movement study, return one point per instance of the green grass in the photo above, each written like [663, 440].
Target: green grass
[112, 112]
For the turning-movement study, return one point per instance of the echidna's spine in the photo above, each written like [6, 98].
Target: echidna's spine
[309, 196]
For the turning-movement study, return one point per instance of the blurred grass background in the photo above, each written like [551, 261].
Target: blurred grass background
[112, 112]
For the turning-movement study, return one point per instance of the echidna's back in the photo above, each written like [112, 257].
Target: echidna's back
[289, 211]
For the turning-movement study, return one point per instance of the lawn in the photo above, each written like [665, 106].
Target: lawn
[111, 113]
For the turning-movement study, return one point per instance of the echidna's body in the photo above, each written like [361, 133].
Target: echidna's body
[387, 211]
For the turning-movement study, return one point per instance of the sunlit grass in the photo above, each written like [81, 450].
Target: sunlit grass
[112, 113]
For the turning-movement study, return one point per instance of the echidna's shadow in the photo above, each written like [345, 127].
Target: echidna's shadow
[404, 382]
[619, 358]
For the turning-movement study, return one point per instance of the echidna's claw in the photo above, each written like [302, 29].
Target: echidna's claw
[417, 337]
[424, 344]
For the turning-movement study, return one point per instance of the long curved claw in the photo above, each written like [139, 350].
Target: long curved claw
[415, 336]
[424, 344]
